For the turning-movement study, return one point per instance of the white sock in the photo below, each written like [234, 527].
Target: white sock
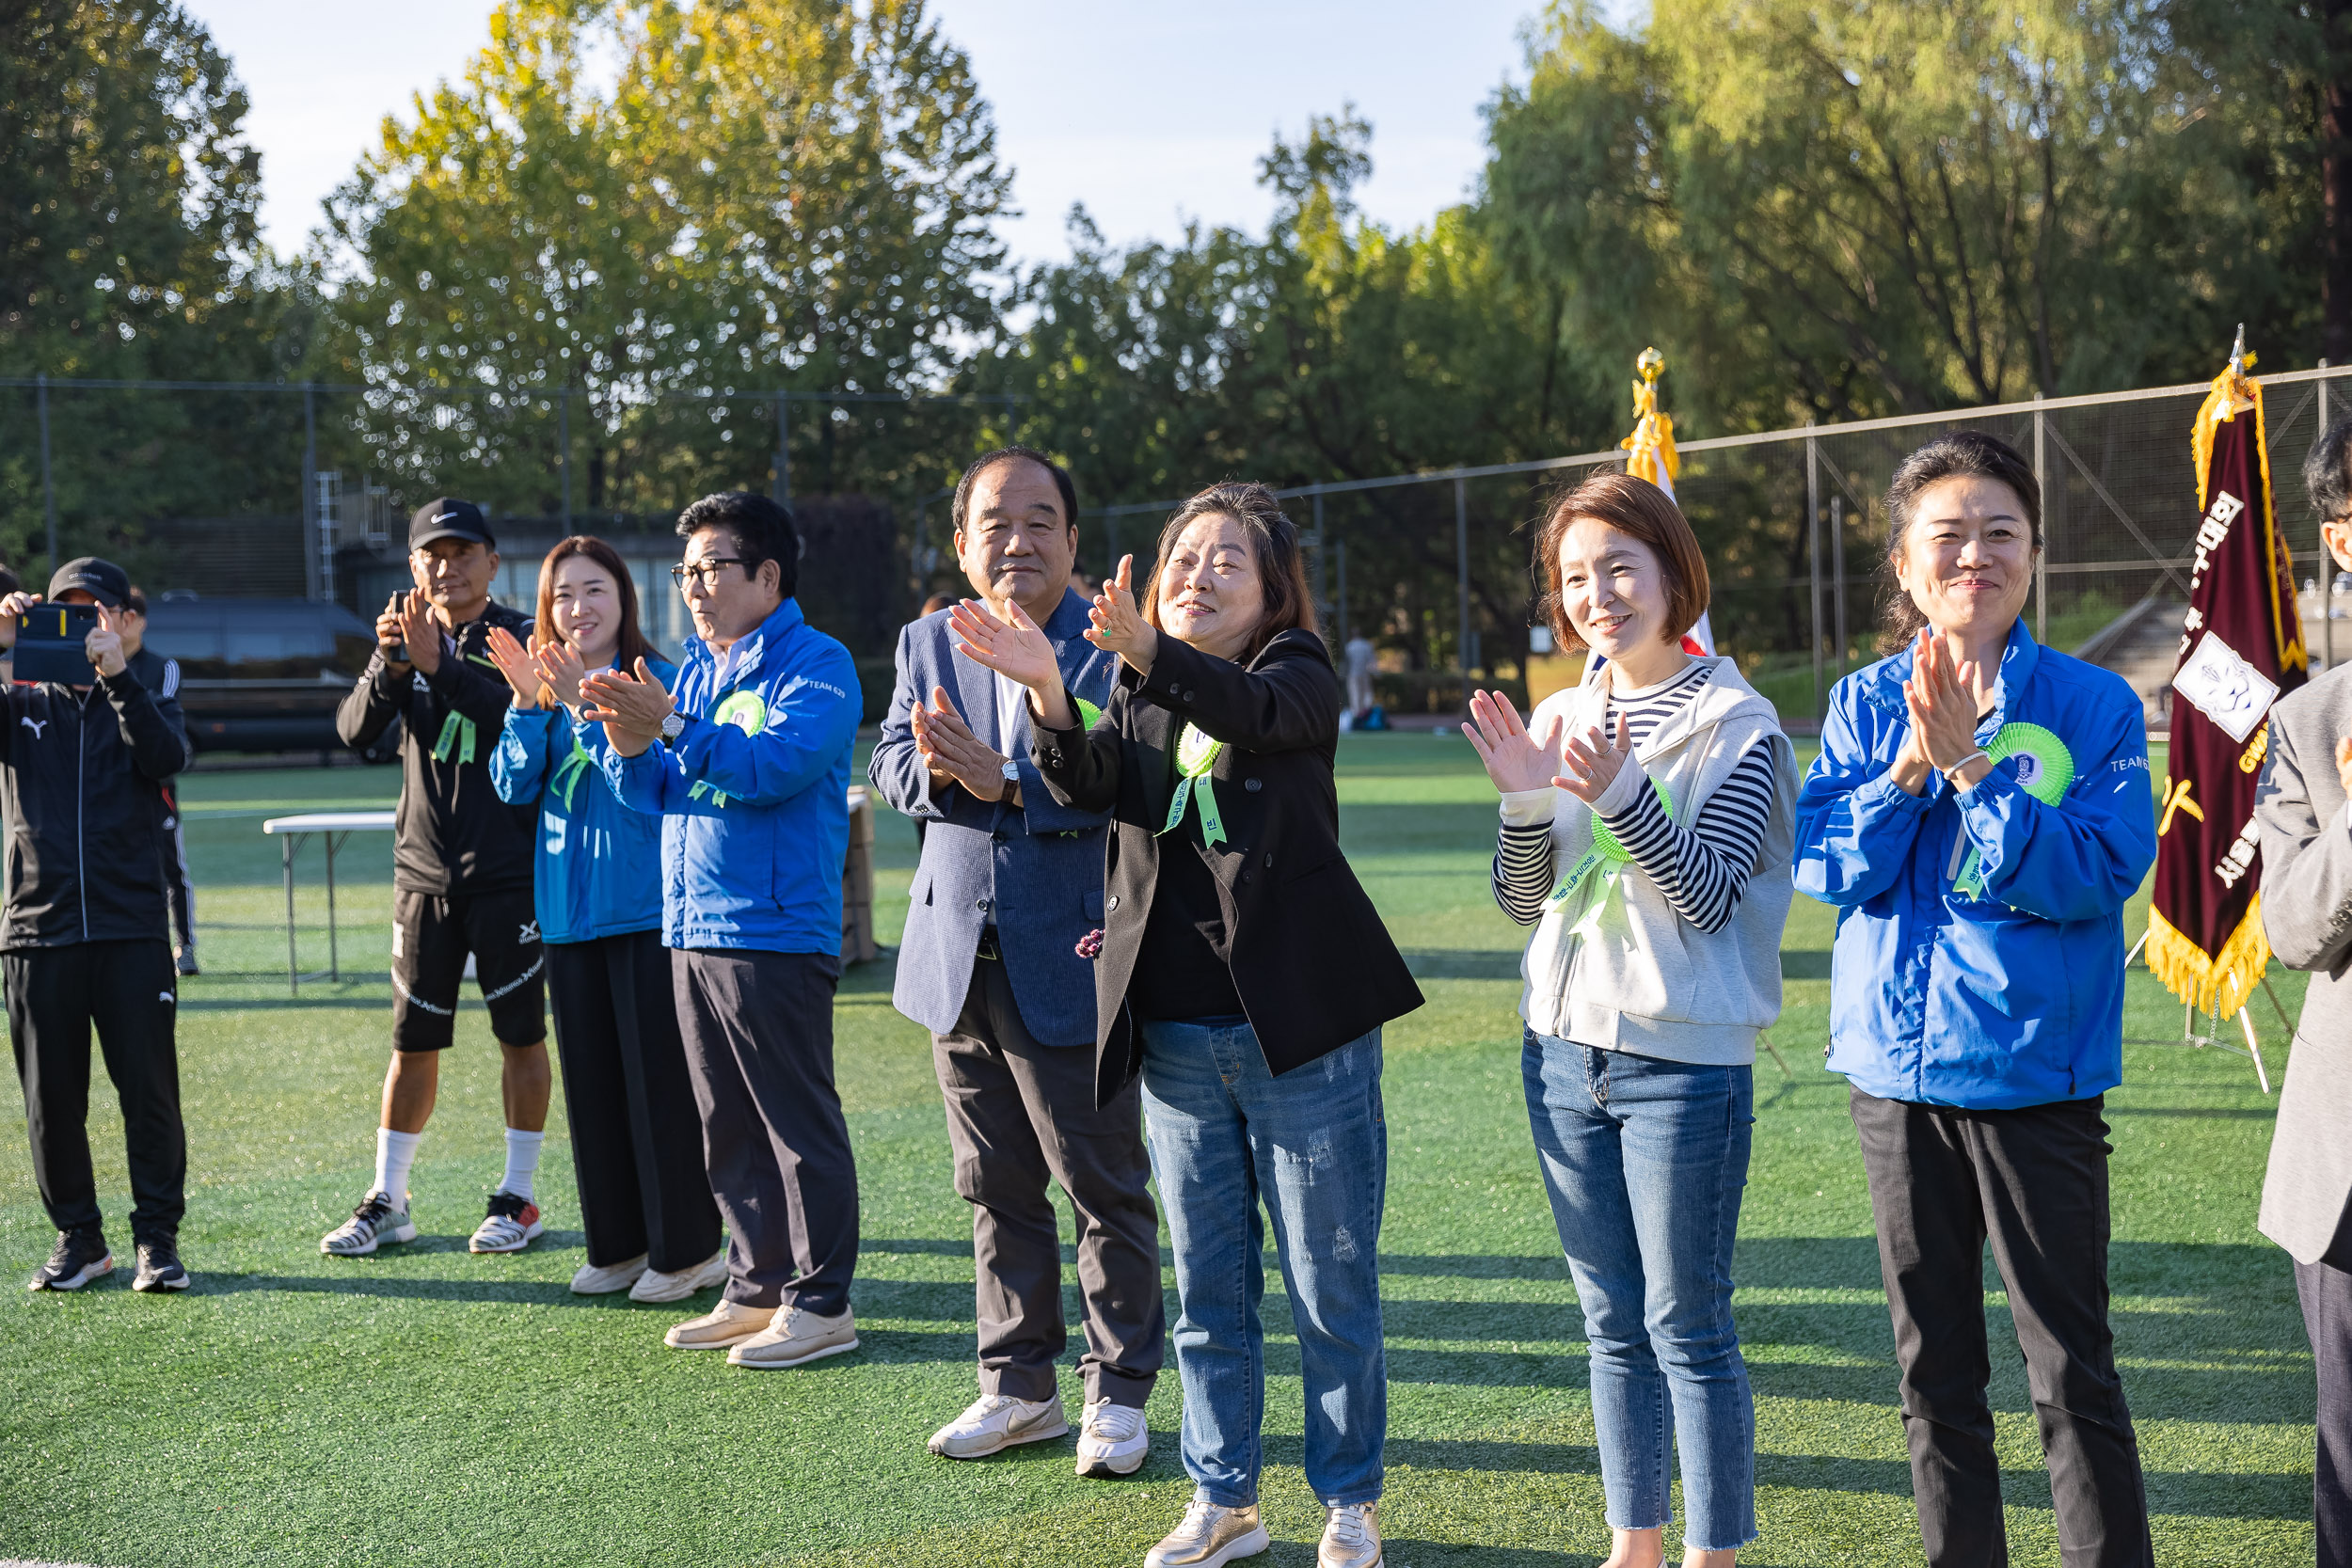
[394, 1153]
[522, 1164]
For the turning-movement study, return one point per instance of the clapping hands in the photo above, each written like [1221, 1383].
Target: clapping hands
[1117, 625]
[1517, 760]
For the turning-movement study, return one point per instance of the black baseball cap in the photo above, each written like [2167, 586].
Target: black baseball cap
[447, 517]
[102, 580]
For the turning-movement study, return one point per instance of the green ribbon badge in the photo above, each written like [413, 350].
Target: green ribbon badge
[571, 770]
[457, 734]
[2046, 770]
[1195, 754]
[1606, 853]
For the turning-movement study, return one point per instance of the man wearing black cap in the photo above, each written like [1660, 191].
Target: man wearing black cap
[83, 938]
[461, 873]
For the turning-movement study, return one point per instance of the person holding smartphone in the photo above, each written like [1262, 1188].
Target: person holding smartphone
[84, 939]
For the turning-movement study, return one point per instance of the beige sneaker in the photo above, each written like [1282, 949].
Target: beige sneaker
[1351, 1536]
[794, 1335]
[1210, 1537]
[727, 1324]
[593, 1280]
[1112, 1440]
[997, 1421]
[653, 1284]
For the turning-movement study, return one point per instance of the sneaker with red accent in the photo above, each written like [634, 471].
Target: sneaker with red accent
[512, 1225]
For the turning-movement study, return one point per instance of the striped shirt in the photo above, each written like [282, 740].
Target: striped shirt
[1701, 868]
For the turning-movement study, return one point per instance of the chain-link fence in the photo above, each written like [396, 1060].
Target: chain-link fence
[1435, 567]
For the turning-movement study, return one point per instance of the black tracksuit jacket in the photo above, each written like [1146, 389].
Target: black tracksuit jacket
[454, 836]
[82, 778]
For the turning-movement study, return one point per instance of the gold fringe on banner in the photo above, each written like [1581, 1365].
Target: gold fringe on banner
[2215, 984]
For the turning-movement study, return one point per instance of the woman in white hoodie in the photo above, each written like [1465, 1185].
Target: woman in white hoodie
[1647, 829]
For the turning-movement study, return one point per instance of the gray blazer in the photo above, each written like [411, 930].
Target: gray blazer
[1034, 871]
[2307, 915]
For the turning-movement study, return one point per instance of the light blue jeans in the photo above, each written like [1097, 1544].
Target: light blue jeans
[1646, 1161]
[1225, 1134]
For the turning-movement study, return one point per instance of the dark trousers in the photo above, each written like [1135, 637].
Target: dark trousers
[177, 893]
[637, 1141]
[2325, 1290]
[126, 989]
[759, 1029]
[1021, 1114]
[2034, 1183]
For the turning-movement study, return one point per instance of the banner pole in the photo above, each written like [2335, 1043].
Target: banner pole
[2041, 565]
[2327, 563]
[2253, 1049]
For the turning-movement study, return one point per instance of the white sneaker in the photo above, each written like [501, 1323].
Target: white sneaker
[653, 1284]
[994, 1422]
[1210, 1537]
[1112, 1440]
[1351, 1536]
[795, 1335]
[374, 1223]
[511, 1225]
[596, 1280]
[727, 1324]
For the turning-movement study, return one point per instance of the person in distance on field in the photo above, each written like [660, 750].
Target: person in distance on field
[461, 875]
[1976, 995]
[992, 965]
[747, 763]
[2307, 915]
[1647, 825]
[1245, 976]
[84, 939]
[162, 677]
[636, 1140]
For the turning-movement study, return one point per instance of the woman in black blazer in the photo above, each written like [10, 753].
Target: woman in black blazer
[1245, 976]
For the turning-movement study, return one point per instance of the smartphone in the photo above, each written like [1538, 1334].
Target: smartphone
[49, 643]
[398, 651]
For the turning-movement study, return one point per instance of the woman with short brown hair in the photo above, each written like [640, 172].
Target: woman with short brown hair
[1647, 825]
[1245, 976]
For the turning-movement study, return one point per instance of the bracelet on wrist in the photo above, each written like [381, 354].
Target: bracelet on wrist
[1951, 774]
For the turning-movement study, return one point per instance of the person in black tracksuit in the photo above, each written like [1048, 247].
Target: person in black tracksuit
[461, 874]
[82, 938]
[161, 676]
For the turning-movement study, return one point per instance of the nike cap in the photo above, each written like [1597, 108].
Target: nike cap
[448, 518]
[102, 580]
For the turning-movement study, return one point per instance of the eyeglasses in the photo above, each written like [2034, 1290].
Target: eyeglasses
[705, 571]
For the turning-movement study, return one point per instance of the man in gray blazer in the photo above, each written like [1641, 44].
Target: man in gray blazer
[1008, 891]
[2307, 915]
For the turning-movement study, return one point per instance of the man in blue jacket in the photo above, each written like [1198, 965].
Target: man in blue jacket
[747, 764]
[1009, 885]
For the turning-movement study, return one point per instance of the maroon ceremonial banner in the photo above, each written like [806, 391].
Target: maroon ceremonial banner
[2241, 649]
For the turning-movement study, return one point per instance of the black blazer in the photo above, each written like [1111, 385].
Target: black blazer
[1312, 962]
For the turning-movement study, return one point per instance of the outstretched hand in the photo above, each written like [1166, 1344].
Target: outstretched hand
[1516, 760]
[514, 662]
[1007, 643]
[1117, 625]
[1590, 763]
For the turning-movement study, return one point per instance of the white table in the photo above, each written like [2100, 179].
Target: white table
[334, 827]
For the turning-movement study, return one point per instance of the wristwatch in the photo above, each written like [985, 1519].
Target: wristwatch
[674, 725]
[1013, 771]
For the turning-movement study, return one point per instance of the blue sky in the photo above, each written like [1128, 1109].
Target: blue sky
[1149, 114]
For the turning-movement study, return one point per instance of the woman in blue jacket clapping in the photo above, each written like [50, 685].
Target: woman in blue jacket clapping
[1979, 814]
[644, 1201]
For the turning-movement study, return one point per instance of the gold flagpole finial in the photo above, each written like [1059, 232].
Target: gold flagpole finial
[1652, 364]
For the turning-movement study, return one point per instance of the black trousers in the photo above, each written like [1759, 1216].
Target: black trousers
[2325, 1290]
[637, 1141]
[2034, 1183]
[178, 892]
[127, 989]
[1021, 1114]
[759, 1029]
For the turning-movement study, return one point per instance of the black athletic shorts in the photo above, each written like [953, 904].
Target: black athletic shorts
[431, 937]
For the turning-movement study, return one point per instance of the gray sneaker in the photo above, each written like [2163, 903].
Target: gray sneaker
[1351, 1536]
[374, 1223]
[1210, 1537]
[994, 1422]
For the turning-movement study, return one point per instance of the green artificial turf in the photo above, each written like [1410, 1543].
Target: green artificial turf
[428, 1407]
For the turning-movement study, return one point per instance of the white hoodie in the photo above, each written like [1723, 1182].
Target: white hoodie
[1648, 981]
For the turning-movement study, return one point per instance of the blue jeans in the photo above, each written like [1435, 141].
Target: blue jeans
[1313, 1146]
[1644, 1161]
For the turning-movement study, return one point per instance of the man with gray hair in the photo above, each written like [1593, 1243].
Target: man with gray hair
[2307, 915]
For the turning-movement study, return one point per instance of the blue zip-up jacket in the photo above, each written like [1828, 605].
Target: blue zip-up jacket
[2015, 997]
[753, 795]
[594, 863]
